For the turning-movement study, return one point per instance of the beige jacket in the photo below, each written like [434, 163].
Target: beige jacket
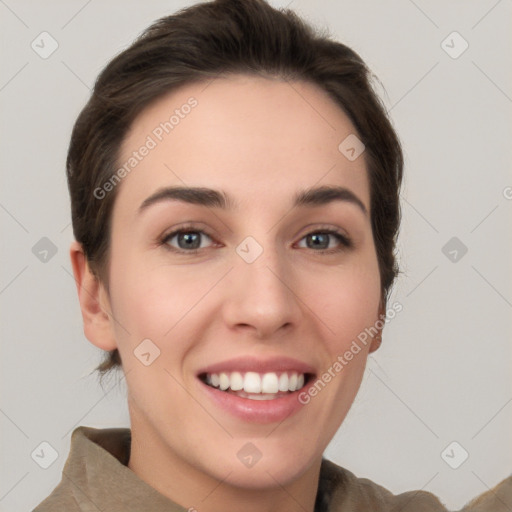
[96, 478]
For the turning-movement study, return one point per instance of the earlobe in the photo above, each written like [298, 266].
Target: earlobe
[94, 302]
[377, 339]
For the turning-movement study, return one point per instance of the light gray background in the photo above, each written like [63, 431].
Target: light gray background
[443, 372]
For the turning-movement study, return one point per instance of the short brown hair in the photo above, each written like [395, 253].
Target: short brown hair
[200, 43]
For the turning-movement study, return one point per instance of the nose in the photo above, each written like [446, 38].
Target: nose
[260, 298]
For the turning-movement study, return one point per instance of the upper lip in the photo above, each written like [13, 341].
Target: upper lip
[253, 364]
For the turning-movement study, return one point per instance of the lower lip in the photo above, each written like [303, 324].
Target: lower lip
[255, 411]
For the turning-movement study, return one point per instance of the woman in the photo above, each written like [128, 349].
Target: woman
[235, 201]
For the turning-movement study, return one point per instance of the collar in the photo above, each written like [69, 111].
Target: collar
[99, 478]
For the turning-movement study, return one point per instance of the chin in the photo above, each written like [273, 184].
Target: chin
[264, 468]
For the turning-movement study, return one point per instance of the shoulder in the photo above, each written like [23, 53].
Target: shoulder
[497, 499]
[341, 490]
[345, 491]
[59, 499]
[93, 453]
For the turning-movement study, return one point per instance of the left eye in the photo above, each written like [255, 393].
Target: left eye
[321, 240]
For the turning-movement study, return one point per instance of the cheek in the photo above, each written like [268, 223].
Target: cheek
[154, 301]
[150, 316]
[347, 303]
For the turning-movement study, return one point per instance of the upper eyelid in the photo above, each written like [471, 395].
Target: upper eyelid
[186, 229]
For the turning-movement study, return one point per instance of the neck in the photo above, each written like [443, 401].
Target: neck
[186, 485]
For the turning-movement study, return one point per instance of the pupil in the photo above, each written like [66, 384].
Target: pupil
[190, 239]
[317, 239]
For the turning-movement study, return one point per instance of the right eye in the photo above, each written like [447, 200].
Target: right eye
[185, 240]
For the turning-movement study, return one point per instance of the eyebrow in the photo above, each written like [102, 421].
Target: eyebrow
[219, 199]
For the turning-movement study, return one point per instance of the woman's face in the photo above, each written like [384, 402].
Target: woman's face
[257, 291]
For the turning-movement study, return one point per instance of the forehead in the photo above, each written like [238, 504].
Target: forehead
[254, 136]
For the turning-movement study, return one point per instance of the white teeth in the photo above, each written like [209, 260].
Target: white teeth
[260, 397]
[292, 385]
[223, 381]
[237, 381]
[283, 382]
[269, 383]
[265, 385]
[252, 383]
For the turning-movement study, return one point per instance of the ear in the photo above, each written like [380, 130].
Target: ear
[94, 301]
[377, 339]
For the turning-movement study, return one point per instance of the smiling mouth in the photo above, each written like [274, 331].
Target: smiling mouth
[257, 386]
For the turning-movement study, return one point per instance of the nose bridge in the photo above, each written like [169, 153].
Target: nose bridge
[261, 293]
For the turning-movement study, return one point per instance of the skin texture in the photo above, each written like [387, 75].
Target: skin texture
[259, 140]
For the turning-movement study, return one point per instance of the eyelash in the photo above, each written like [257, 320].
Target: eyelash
[345, 242]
